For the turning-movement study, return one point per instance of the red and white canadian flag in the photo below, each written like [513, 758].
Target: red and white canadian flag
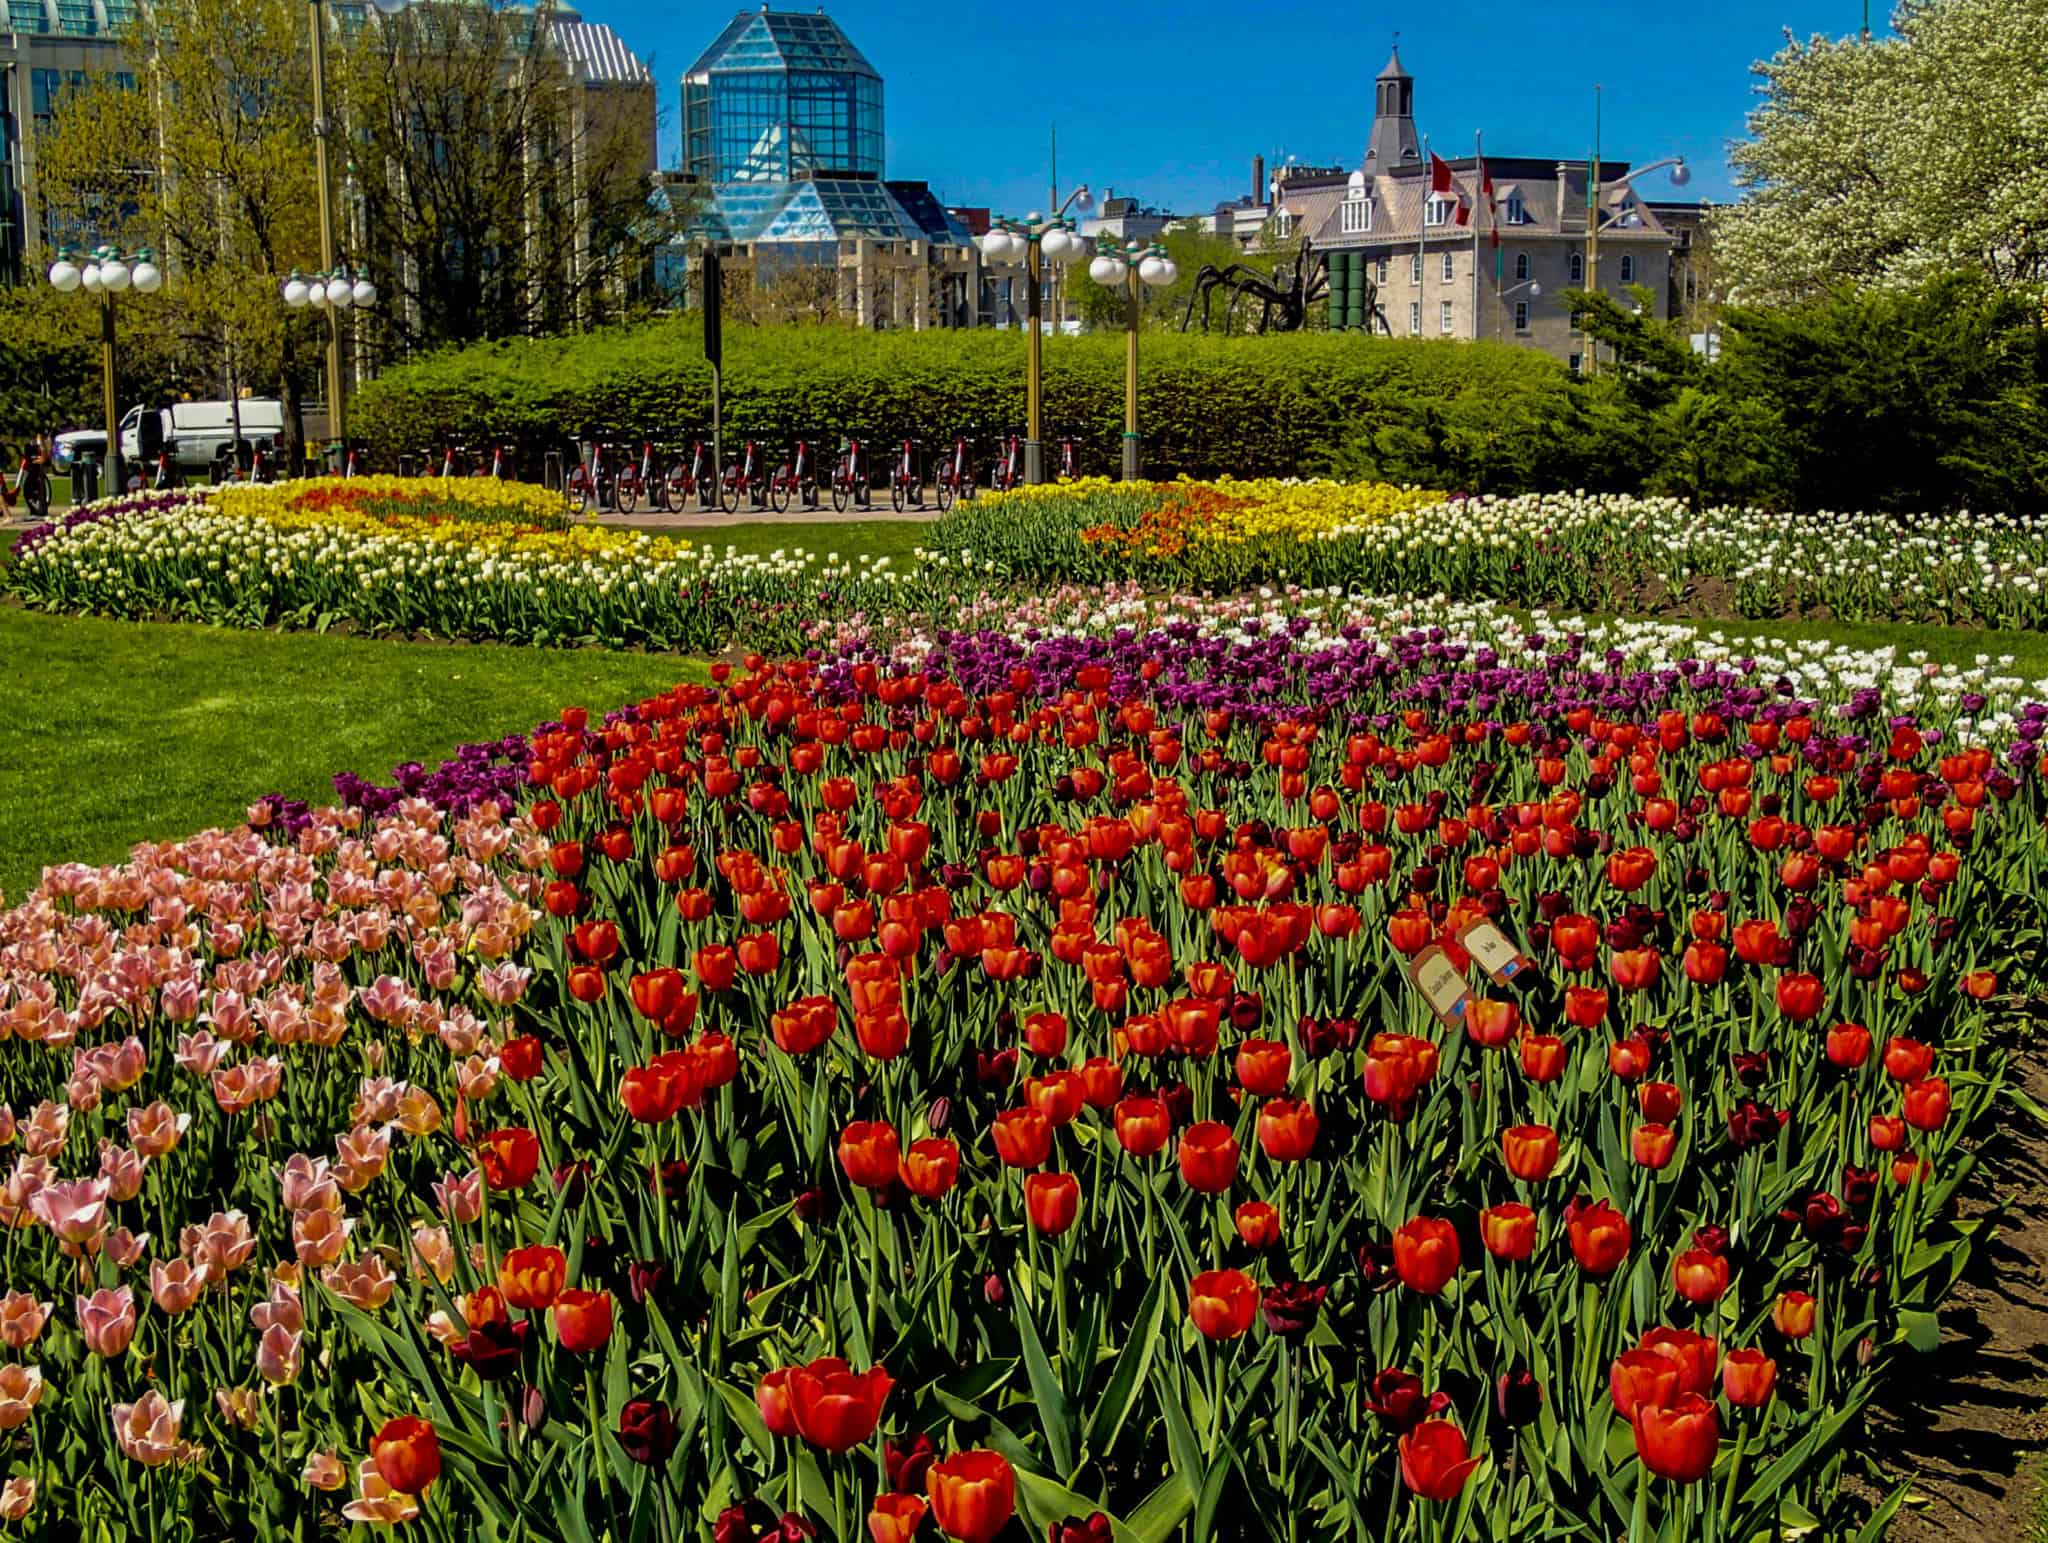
[1442, 181]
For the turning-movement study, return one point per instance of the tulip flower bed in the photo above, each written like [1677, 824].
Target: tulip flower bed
[471, 559]
[1299, 1081]
[1606, 552]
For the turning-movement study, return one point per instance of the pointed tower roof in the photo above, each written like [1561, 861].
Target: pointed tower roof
[1393, 144]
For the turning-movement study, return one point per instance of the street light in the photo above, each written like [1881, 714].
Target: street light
[1035, 240]
[107, 273]
[332, 292]
[1134, 266]
[1500, 295]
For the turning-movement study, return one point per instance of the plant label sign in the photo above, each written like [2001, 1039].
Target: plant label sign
[1493, 951]
[1442, 985]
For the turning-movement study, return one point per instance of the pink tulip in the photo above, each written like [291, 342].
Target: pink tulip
[74, 1209]
[155, 1129]
[17, 1497]
[306, 1183]
[379, 1504]
[21, 1389]
[125, 1248]
[147, 1430]
[461, 1199]
[323, 1470]
[240, 1407]
[222, 1243]
[43, 1136]
[6, 1125]
[418, 1114]
[121, 1066]
[281, 1309]
[503, 984]
[433, 1254]
[123, 1170]
[107, 1320]
[277, 1355]
[319, 1236]
[366, 1283]
[377, 1101]
[21, 1319]
[175, 1286]
[360, 1155]
[200, 1053]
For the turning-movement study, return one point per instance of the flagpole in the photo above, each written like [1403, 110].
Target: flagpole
[1593, 230]
[1478, 192]
[1421, 238]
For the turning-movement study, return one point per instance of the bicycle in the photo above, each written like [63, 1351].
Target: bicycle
[850, 481]
[1070, 460]
[585, 485]
[796, 475]
[955, 476]
[905, 487]
[1008, 471]
[684, 483]
[743, 479]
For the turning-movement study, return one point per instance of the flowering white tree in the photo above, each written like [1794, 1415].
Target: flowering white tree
[1889, 161]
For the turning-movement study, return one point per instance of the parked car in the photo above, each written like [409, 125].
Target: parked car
[73, 443]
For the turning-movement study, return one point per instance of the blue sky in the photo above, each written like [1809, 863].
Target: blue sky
[1171, 101]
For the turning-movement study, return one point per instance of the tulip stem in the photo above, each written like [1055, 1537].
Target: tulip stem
[1734, 1472]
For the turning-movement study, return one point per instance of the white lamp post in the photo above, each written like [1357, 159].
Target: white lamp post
[1134, 266]
[333, 293]
[1032, 239]
[106, 272]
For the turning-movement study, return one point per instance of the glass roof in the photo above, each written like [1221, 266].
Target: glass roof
[814, 209]
[782, 40]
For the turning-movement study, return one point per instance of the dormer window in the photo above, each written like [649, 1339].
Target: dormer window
[1283, 224]
[1439, 210]
[1517, 212]
[1355, 219]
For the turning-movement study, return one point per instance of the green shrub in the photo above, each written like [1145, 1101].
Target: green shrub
[1277, 406]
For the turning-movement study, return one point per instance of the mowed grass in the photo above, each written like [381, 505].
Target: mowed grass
[119, 732]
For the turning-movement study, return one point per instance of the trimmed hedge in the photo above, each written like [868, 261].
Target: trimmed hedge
[1278, 406]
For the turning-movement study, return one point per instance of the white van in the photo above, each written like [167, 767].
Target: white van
[201, 433]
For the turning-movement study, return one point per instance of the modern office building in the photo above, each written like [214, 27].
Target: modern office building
[782, 129]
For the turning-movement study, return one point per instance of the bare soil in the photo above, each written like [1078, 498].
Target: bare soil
[1968, 1427]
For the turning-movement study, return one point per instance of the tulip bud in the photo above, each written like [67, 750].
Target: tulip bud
[993, 1291]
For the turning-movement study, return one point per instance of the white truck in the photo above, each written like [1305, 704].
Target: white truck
[200, 434]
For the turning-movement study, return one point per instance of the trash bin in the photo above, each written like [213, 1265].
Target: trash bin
[85, 478]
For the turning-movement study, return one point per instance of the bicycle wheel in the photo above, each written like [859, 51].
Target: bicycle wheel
[778, 490]
[916, 494]
[896, 493]
[629, 493]
[944, 489]
[842, 486]
[729, 492]
[578, 490]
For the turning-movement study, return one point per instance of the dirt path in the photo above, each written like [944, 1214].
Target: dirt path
[1969, 1425]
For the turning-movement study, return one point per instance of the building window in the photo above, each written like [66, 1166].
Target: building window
[76, 18]
[1438, 211]
[1521, 316]
[1628, 268]
[1576, 361]
[1357, 216]
[1283, 224]
[1443, 318]
[1578, 267]
[1450, 269]
[1415, 318]
[1380, 272]
[1521, 267]
[1415, 269]
[1517, 211]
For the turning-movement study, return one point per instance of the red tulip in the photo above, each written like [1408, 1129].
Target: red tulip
[1023, 1137]
[930, 1167]
[407, 1454]
[1426, 1254]
[1142, 1125]
[1208, 1157]
[1679, 1442]
[835, 1408]
[1599, 1237]
[1531, 1151]
[868, 1152]
[1926, 1104]
[1222, 1303]
[1748, 1377]
[1435, 1462]
[1258, 1224]
[583, 1319]
[973, 1495]
[1508, 1231]
[1052, 1200]
[1263, 1066]
[1287, 1130]
[509, 1157]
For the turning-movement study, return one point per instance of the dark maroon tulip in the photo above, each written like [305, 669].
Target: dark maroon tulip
[647, 1433]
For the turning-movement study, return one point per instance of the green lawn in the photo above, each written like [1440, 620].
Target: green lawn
[121, 732]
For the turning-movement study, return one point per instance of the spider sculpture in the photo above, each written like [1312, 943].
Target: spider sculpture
[1283, 299]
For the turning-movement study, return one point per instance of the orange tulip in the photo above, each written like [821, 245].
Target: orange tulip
[1508, 1231]
[407, 1454]
[895, 1518]
[583, 1319]
[1258, 1224]
[1530, 1150]
[1793, 1314]
[533, 1276]
[1678, 1442]
[1287, 1130]
[1426, 1254]
[930, 1167]
[1748, 1378]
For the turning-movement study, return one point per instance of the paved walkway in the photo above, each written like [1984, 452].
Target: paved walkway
[655, 520]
